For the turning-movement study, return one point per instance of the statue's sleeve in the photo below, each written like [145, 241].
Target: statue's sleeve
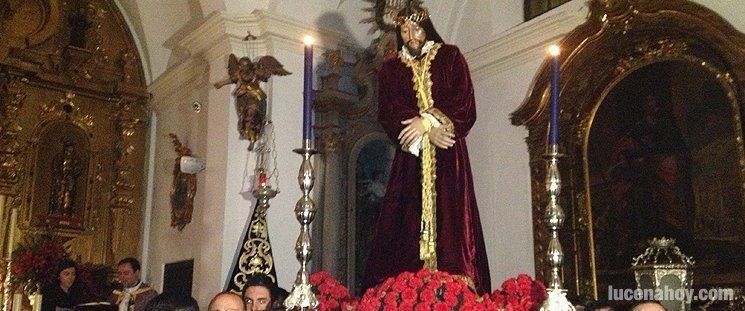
[393, 92]
[455, 106]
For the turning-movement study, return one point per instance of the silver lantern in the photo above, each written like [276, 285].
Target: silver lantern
[665, 272]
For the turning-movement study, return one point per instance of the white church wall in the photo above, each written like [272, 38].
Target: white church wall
[222, 206]
[502, 71]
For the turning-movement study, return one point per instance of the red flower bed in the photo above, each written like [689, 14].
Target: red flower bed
[425, 290]
[429, 290]
[521, 294]
[331, 294]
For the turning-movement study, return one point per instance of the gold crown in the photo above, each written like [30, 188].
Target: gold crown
[420, 14]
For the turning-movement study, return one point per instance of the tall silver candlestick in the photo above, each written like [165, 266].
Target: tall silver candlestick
[554, 217]
[302, 297]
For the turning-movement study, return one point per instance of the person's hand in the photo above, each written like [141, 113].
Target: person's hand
[441, 138]
[413, 130]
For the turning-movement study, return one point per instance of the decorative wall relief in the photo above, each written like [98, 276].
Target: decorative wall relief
[73, 118]
[183, 189]
[11, 168]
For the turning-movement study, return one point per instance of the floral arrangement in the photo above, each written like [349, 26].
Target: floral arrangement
[425, 290]
[429, 290]
[35, 260]
[520, 294]
[331, 294]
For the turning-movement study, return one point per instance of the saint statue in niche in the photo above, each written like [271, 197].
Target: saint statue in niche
[66, 172]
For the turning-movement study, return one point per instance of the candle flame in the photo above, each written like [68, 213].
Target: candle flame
[308, 40]
[554, 50]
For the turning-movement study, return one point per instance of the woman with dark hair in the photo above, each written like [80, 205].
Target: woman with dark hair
[64, 293]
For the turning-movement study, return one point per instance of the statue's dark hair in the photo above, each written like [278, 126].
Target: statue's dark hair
[429, 29]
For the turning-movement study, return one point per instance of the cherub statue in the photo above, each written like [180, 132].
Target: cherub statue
[251, 99]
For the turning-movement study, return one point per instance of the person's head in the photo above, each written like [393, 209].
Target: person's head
[227, 301]
[595, 305]
[258, 292]
[414, 28]
[172, 302]
[648, 306]
[66, 273]
[128, 272]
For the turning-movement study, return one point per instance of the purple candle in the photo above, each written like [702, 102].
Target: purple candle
[553, 131]
[308, 88]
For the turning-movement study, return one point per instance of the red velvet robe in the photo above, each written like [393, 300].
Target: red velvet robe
[460, 241]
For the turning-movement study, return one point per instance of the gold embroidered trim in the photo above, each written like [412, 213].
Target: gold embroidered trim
[422, 79]
[120, 295]
[444, 120]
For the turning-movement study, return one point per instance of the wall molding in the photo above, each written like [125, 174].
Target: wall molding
[527, 41]
[267, 26]
[173, 85]
[220, 34]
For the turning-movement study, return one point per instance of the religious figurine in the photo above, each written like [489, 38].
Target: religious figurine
[183, 189]
[66, 173]
[251, 99]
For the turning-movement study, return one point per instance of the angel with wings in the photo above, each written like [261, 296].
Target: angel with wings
[251, 99]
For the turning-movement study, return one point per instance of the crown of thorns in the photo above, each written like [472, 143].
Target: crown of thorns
[419, 14]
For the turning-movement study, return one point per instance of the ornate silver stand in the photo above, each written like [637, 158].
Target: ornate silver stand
[554, 217]
[301, 297]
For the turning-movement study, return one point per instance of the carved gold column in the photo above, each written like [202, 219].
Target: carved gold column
[130, 119]
[12, 98]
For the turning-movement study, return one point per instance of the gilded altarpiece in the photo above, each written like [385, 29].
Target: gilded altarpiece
[692, 61]
[73, 125]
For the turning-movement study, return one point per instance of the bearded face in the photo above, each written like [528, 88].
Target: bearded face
[414, 37]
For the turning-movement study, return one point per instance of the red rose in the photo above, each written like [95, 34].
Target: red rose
[408, 294]
[416, 283]
[441, 306]
[513, 300]
[406, 306]
[509, 286]
[390, 308]
[398, 286]
[427, 296]
[433, 284]
[424, 273]
[332, 304]
[387, 284]
[422, 307]
[499, 298]
[454, 287]
[524, 279]
[391, 299]
[450, 299]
